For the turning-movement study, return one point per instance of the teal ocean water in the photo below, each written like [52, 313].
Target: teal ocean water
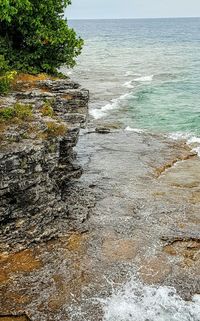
[143, 73]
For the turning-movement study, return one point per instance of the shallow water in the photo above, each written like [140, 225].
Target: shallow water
[144, 73]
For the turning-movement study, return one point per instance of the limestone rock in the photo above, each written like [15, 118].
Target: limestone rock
[35, 167]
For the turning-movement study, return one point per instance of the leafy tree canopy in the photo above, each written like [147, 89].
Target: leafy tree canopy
[34, 37]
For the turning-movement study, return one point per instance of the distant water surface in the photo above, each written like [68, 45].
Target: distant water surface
[144, 73]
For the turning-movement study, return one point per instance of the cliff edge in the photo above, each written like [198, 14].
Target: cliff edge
[39, 127]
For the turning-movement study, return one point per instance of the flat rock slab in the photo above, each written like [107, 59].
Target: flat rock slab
[135, 213]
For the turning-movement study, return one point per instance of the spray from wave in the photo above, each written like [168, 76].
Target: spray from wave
[135, 130]
[192, 141]
[98, 113]
[138, 302]
[144, 78]
[128, 84]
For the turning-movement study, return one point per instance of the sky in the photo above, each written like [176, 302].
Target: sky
[115, 9]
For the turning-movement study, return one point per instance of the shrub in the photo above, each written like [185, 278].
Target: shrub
[34, 37]
[6, 81]
[6, 76]
[3, 65]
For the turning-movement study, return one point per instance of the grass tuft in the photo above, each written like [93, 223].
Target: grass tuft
[47, 110]
[54, 129]
[16, 112]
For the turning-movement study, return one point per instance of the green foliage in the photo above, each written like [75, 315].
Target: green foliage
[23, 112]
[6, 80]
[7, 114]
[16, 112]
[34, 37]
[47, 110]
[3, 65]
[10, 8]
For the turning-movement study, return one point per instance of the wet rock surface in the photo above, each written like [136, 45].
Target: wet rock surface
[140, 224]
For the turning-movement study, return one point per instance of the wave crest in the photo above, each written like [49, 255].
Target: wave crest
[98, 113]
[138, 302]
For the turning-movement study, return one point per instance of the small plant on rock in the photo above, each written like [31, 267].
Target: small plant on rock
[47, 110]
[54, 129]
[16, 112]
[23, 112]
[7, 114]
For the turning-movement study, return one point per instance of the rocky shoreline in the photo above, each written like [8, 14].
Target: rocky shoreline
[38, 161]
[143, 193]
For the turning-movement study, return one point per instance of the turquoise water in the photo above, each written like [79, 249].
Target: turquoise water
[143, 73]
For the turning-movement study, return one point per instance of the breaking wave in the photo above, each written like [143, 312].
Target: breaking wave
[128, 84]
[114, 104]
[135, 130]
[138, 302]
[144, 78]
[192, 141]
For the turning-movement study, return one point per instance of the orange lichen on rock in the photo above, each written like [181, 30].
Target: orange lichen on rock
[14, 318]
[155, 270]
[31, 78]
[119, 250]
[24, 261]
[67, 97]
[189, 251]
[75, 242]
[188, 155]
[27, 81]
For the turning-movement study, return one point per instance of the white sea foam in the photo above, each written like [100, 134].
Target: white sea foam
[114, 104]
[135, 130]
[69, 73]
[179, 136]
[128, 84]
[197, 150]
[97, 113]
[138, 302]
[191, 140]
[194, 140]
[144, 79]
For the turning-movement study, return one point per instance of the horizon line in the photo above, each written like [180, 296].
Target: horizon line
[136, 18]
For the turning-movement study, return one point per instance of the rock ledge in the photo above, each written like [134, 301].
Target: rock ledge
[38, 163]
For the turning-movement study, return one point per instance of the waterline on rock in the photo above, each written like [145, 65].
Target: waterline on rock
[191, 140]
[136, 130]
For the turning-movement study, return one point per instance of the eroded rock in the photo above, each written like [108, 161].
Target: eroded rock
[38, 162]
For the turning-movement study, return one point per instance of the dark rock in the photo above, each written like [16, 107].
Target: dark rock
[35, 172]
[102, 130]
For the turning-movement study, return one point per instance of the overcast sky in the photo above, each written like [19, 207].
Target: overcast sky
[94, 9]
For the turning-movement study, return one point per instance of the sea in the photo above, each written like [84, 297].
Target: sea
[143, 74]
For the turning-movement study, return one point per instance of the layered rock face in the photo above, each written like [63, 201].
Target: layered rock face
[38, 163]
